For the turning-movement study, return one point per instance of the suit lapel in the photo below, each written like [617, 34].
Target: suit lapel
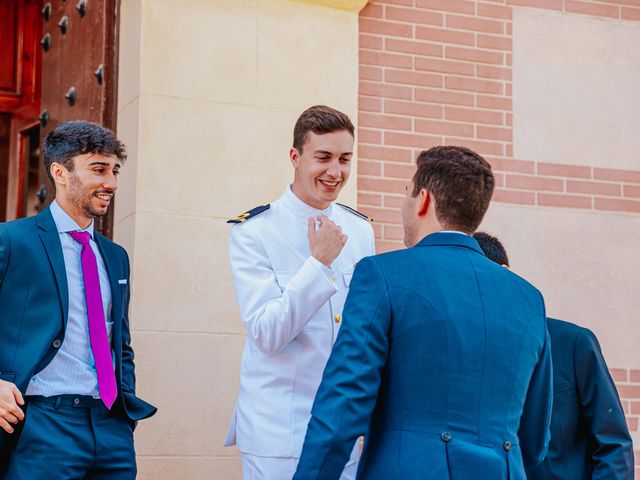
[50, 238]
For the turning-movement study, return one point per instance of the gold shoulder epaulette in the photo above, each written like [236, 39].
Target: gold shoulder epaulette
[251, 213]
[355, 212]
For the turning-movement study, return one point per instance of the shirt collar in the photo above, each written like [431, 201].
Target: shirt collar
[450, 239]
[301, 208]
[64, 223]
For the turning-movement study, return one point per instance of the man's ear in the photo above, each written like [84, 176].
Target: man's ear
[424, 202]
[58, 173]
[294, 156]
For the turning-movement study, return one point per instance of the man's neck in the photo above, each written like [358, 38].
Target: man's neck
[294, 190]
[428, 228]
[82, 220]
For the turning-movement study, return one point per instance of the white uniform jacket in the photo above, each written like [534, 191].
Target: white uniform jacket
[291, 306]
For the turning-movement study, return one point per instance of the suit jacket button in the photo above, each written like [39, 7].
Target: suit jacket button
[446, 437]
[507, 445]
[56, 343]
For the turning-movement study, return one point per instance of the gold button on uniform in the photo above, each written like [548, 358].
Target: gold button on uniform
[338, 318]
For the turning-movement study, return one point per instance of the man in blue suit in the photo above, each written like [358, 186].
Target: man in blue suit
[67, 385]
[443, 362]
[589, 434]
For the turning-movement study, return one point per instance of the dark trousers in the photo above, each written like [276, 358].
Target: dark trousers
[72, 437]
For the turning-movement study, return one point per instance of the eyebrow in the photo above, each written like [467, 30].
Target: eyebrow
[326, 152]
[104, 164]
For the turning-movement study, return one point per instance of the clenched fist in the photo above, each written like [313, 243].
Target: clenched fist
[327, 241]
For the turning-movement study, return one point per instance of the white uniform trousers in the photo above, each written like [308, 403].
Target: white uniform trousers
[281, 468]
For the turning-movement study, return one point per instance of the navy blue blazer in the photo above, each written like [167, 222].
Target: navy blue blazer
[589, 434]
[34, 302]
[443, 364]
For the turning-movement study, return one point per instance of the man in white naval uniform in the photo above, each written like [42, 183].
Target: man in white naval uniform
[292, 263]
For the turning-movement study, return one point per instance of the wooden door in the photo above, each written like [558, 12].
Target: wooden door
[76, 80]
[20, 60]
[79, 69]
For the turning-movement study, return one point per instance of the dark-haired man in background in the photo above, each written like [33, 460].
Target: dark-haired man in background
[292, 263]
[442, 355]
[589, 434]
[67, 383]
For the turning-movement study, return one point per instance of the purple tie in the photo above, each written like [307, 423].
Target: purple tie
[97, 328]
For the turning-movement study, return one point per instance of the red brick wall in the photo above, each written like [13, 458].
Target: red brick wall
[628, 384]
[438, 72]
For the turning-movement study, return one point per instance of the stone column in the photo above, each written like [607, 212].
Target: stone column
[208, 95]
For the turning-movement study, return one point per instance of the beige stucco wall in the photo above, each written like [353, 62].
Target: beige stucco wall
[585, 263]
[576, 89]
[208, 95]
[576, 94]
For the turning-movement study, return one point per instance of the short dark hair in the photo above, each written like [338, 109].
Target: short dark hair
[71, 139]
[461, 182]
[319, 119]
[492, 248]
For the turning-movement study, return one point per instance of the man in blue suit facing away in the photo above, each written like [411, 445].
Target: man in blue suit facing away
[589, 435]
[443, 362]
[67, 385]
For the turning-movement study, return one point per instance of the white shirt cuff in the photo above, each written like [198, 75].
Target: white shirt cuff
[329, 274]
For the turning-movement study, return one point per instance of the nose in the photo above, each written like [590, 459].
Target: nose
[110, 182]
[334, 169]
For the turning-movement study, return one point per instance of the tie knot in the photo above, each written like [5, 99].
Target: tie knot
[81, 237]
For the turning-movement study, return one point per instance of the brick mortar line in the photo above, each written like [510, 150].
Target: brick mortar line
[564, 190]
[508, 173]
[395, 21]
[457, 122]
[481, 109]
[475, 33]
[435, 72]
[620, 7]
[444, 56]
[559, 192]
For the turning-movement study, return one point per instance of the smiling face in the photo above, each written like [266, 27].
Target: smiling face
[85, 191]
[323, 167]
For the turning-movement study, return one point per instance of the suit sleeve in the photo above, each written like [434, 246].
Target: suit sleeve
[612, 454]
[4, 253]
[128, 367]
[273, 316]
[534, 431]
[351, 380]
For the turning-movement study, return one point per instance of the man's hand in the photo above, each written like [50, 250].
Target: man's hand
[10, 412]
[325, 243]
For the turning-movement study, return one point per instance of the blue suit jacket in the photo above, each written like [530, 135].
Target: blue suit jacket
[443, 363]
[589, 434]
[34, 303]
